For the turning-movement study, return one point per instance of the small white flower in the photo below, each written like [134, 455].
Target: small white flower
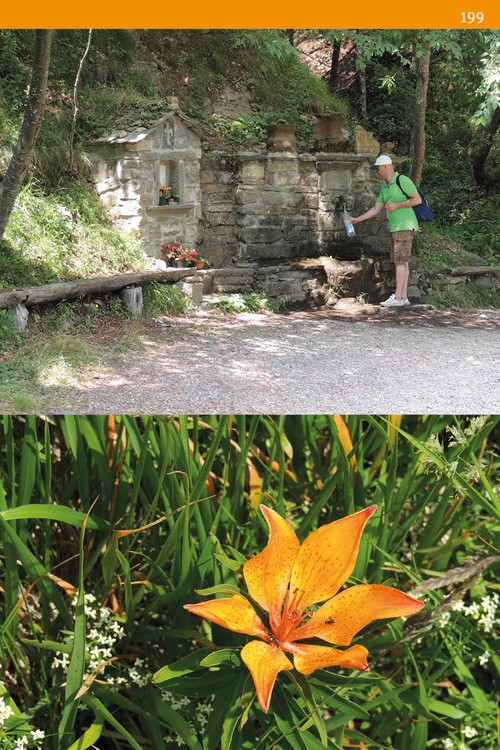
[444, 619]
[487, 622]
[484, 658]
[38, 734]
[447, 744]
[63, 661]
[5, 711]
[473, 611]
[458, 605]
[469, 732]
[489, 604]
[21, 743]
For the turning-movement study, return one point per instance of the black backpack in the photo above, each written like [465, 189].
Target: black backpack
[423, 211]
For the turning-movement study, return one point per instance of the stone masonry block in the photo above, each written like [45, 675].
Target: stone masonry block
[266, 235]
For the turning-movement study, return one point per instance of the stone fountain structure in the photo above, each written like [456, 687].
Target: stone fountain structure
[267, 218]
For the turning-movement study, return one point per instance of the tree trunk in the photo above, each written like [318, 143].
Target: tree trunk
[361, 78]
[333, 77]
[480, 154]
[75, 105]
[21, 158]
[418, 140]
[362, 92]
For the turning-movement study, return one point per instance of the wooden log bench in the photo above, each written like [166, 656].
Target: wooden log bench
[62, 290]
[476, 271]
[130, 285]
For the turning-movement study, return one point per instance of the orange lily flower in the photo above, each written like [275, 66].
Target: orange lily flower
[286, 579]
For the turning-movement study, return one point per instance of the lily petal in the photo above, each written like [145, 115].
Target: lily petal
[234, 613]
[267, 574]
[339, 619]
[326, 559]
[308, 658]
[264, 663]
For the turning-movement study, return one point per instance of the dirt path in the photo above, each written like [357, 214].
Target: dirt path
[362, 359]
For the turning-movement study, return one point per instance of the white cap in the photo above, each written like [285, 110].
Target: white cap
[381, 161]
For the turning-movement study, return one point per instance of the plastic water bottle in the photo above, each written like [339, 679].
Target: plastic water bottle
[349, 228]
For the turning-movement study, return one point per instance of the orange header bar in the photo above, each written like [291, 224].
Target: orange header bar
[176, 14]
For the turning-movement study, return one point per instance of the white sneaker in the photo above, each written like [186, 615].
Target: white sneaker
[394, 302]
[387, 301]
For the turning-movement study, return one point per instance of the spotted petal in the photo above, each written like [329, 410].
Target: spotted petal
[326, 559]
[234, 613]
[340, 618]
[308, 658]
[267, 574]
[264, 662]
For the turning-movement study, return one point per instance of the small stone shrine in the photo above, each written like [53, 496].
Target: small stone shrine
[150, 179]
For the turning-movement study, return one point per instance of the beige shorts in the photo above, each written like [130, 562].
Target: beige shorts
[400, 248]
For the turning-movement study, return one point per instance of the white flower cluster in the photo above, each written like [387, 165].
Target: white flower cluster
[5, 711]
[102, 636]
[484, 611]
[138, 675]
[200, 711]
[449, 744]
[20, 743]
[459, 437]
[484, 658]
[468, 732]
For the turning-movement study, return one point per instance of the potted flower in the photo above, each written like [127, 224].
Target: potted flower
[175, 254]
[195, 259]
[165, 195]
[171, 252]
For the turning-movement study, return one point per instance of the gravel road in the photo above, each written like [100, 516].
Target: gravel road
[361, 359]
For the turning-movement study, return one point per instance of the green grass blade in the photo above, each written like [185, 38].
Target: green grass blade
[90, 736]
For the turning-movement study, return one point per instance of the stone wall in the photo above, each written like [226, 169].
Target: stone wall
[281, 206]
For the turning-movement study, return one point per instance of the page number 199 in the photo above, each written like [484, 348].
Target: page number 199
[472, 16]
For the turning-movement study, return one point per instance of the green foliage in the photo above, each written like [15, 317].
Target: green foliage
[489, 89]
[14, 68]
[246, 302]
[470, 296]
[163, 299]
[172, 508]
[391, 96]
[282, 88]
[110, 54]
[64, 235]
[438, 254]
[8, 332]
